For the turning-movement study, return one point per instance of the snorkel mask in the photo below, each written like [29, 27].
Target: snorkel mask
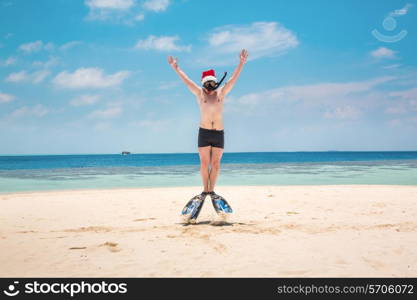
[209, 80]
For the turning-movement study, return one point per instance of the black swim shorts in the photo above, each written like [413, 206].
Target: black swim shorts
[210, 137]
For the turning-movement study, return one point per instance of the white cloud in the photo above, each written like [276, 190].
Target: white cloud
[69, 45]
[17, 76]
[156, 5]
[52, 61]
[393, 66]
[168, 85]
[127, 12]
[102, 126]
[413, 105]
[398, 109]
[85, 100]
[154, 125]
[31, 47]
[9, 61]
[89, 78]
[38, 111]
[39, 76]
[395, 122]
[162, 43]
[49, 46]
[405, 101]
[410, 94]
[110, 4]
[35, 77]
[346, 112]
[259, 38]
[411, 121]
[35, 47]
[6, 97]
[139, 17]
[315, 93]
[401, 12]
[383, 52]
[40, 45]
[110, 112]
[339, 100]
[121, 11]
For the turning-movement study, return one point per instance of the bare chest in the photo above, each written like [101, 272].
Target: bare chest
[211, 101]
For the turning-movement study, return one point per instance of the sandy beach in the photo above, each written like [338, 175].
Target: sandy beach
[276, 231]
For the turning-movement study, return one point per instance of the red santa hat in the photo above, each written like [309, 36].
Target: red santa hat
[207, 76]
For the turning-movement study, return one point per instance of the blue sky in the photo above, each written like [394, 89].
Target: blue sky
[92, 76]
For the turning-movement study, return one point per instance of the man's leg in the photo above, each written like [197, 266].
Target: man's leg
[204, 165]
[216, 156]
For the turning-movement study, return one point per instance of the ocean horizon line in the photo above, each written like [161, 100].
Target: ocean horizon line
[153, 153]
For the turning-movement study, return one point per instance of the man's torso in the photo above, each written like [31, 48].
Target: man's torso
[211, 110]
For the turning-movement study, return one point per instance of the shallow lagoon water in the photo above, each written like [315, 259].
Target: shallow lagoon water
[116, 171]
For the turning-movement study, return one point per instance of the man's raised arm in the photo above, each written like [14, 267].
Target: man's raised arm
[194, 88]
[231, 82]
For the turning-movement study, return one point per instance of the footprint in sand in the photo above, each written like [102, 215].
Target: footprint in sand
[269, 215]
[112, 247]
[377, 265]
[289, 213]
[143, 219]
[341, 261]
[379, 204]
[55, 237]
[88, 229]
[398, 251]
[219, 247]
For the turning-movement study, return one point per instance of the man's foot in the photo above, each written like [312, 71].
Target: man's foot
[192, 209]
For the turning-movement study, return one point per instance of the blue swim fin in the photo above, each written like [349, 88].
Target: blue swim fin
[192, 209]
[220, 204]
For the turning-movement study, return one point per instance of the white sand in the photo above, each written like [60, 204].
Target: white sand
[276, 231]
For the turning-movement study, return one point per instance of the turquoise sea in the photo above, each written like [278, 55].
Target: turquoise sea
[91, 171]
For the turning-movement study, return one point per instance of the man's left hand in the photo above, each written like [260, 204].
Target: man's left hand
[243, 56]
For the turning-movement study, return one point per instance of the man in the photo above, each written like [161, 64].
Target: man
[210, 98]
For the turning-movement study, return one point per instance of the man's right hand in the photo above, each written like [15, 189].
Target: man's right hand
[195, 89]
[173, 62]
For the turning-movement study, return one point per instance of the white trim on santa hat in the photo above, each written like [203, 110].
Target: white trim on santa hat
[208, 78]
